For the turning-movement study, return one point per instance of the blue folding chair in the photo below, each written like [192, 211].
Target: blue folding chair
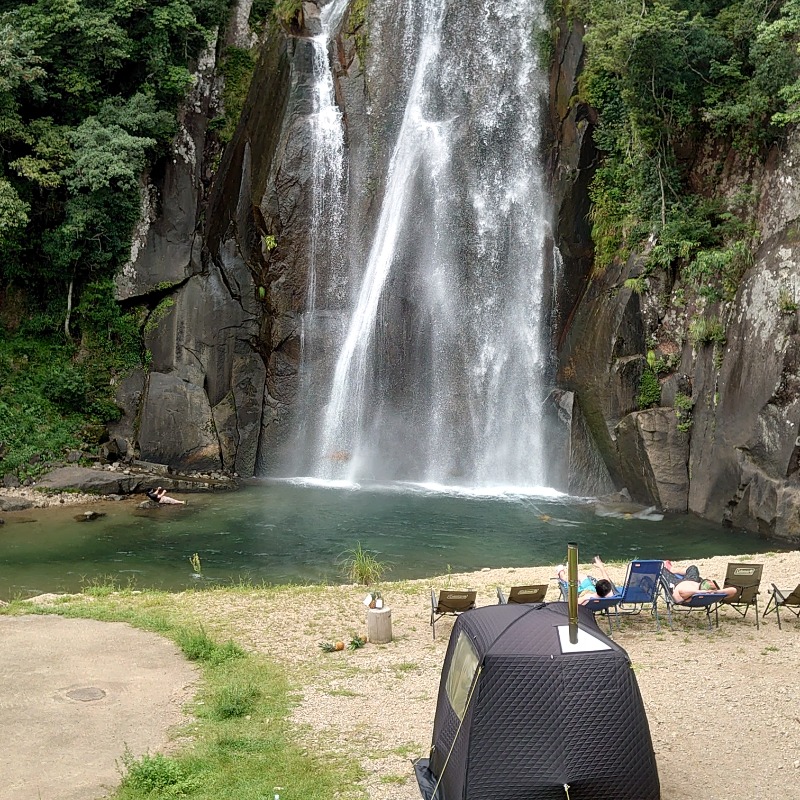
[705, 601]
[640, 591]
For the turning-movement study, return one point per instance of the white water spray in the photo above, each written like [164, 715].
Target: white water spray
[441, 372]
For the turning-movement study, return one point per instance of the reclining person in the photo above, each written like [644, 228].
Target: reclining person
[160, 496]
[685, 589]
[590, 588]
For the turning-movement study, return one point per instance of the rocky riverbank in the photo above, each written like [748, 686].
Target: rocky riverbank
[74, 485]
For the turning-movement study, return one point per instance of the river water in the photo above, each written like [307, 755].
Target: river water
[285, 532]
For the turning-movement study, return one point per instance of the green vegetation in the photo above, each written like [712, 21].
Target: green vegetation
[88, 103]
[237, 69]
[683, 411]
[52, 399]
[241, 742]
[663, 77]
[704, 331]
[361, 566]
[357, 18]
[786, 302]
[649, 394]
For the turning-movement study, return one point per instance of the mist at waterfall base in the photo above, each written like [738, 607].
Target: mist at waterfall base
[284, 532]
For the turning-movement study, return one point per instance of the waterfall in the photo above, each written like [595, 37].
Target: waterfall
[442, 360]
[326, 262]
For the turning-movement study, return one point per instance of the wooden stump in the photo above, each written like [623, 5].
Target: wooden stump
[379, 625]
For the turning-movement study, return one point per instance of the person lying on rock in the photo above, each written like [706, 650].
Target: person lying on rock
[160, 495]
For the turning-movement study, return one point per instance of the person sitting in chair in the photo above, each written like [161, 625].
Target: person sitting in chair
[590, 588]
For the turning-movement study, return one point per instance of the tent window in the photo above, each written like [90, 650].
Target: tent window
[461, 674]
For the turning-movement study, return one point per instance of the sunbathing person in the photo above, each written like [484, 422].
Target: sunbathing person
[684, 590]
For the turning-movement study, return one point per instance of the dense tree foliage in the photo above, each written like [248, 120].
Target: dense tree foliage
[89, 94]
[665, 76]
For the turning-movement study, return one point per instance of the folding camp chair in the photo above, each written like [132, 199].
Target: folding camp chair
[523, 594]
[746, 578]
[706, 601]
[640, 591]
[783, 599]
[452, 602]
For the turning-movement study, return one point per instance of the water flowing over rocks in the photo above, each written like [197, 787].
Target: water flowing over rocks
[223, 261]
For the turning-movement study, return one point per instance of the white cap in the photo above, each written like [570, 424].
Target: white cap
[560, 568]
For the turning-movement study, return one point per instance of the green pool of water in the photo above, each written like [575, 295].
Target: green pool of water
[296, 533]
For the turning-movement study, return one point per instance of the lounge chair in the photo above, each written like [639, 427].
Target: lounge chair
[641, 590]
[450, 602]
[534, 593]
[746, 578]
[783, 599]
[705, 601]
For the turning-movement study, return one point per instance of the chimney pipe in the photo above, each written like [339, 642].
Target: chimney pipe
[572, 595]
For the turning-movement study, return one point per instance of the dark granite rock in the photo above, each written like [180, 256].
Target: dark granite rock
[654, 457]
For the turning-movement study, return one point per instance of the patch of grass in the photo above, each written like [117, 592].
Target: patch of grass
[235, 699]
[155, 775]
[242, 744]
[394, 780]
[361, 566]
[703, 331]
[405, 666]
[198, 646]
[407, 750]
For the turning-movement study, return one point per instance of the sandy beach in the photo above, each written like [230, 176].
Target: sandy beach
[722, 705]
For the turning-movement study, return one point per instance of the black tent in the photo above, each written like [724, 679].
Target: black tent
[522, 714]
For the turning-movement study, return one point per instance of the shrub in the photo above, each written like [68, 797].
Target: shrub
[360, 566]
[156, 776]
[649, 390]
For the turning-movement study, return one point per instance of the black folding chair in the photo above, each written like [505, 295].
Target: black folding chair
[783, 599]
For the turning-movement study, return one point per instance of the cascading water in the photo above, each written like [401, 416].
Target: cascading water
[326, 269]
[443, 360]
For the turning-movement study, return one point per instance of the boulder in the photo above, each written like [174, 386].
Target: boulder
[93, 481]
[14, 503]
[177, 424]
[654, 456]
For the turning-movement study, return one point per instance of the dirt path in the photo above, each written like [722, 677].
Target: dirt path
[74, 695]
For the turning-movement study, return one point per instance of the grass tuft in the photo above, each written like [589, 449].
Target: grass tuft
[361, 566]
[235, 700]
[198, 646]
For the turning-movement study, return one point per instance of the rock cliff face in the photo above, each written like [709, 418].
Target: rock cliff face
[226, 305]
[223, 330]
[724, 442]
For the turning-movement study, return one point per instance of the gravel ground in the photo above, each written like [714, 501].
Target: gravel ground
[723, 706]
